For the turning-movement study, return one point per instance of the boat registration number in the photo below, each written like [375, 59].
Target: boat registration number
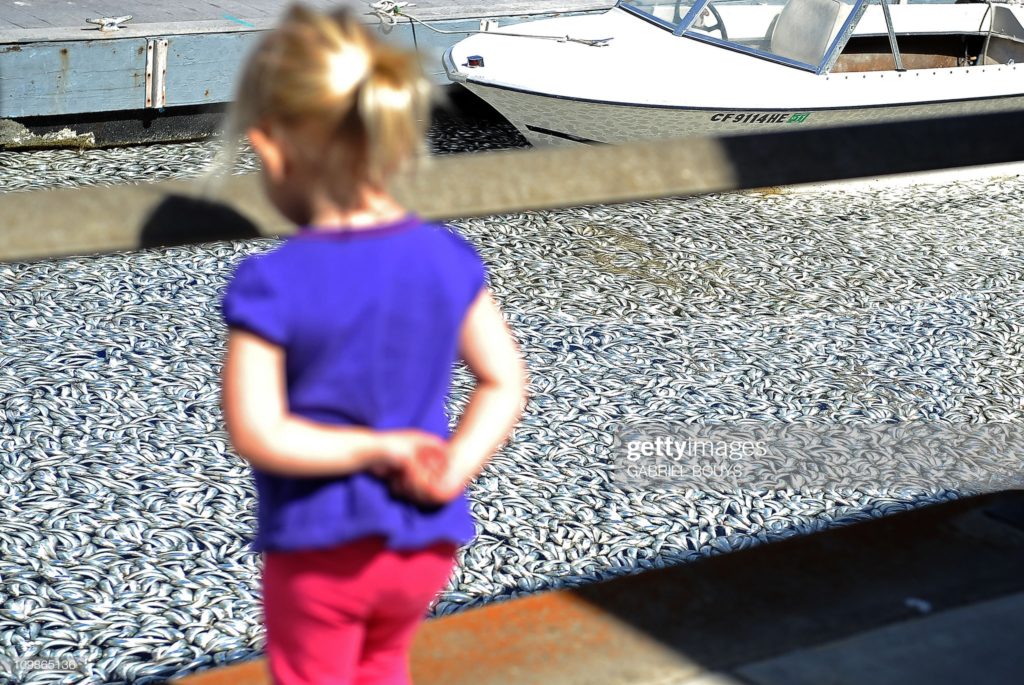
[761, 117]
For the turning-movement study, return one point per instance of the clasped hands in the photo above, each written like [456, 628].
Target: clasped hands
[416, 465]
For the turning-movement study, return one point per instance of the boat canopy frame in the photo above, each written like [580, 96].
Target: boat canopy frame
[684, 28]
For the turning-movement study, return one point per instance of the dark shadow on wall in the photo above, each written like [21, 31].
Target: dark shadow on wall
[182, 220]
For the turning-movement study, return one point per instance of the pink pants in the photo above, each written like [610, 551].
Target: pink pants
[347, 616]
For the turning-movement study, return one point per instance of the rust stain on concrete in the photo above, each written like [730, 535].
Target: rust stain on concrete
[550, 637]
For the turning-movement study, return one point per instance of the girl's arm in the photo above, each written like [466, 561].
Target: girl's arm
[497, 402]
[255, 406]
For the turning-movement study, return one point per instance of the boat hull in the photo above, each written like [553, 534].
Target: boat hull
[553, 120]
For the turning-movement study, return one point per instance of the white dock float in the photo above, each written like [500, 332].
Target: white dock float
[55, 64]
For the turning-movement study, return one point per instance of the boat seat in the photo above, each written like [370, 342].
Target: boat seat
[803, 30]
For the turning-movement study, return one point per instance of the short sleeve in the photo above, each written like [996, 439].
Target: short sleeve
[251, 302]
[472, 270]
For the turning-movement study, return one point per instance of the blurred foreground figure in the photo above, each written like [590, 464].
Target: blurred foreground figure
[339, 359]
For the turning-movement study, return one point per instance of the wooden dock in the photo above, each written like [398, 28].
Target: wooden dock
[187, 53]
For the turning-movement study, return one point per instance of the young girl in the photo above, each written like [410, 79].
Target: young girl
[340, 350]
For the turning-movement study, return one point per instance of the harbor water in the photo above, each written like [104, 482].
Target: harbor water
[123, 545]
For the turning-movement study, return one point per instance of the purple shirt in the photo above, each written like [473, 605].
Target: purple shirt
[369, 320]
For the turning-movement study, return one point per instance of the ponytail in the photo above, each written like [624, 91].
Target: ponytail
[363, 105]
[393, 104]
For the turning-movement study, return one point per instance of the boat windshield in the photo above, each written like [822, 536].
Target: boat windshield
[801, 33]
[669, 14]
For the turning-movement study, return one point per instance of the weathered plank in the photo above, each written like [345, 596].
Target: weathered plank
[20, 17]
[244, 10]
[205, 16]
[73, 13]
[156, 30]
[203, 69]
[72, 77]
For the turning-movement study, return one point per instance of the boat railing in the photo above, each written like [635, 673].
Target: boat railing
[804, 34]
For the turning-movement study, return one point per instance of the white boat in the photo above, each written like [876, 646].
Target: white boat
[654, 70]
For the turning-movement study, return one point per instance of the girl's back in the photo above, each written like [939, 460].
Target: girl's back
[369, 321]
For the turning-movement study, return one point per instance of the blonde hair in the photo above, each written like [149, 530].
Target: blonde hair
[359, 107]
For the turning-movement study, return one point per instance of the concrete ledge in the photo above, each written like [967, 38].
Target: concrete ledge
[104, 219]
[705, 621]
[89, 220]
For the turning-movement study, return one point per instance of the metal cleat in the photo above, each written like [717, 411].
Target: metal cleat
[110, 23]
